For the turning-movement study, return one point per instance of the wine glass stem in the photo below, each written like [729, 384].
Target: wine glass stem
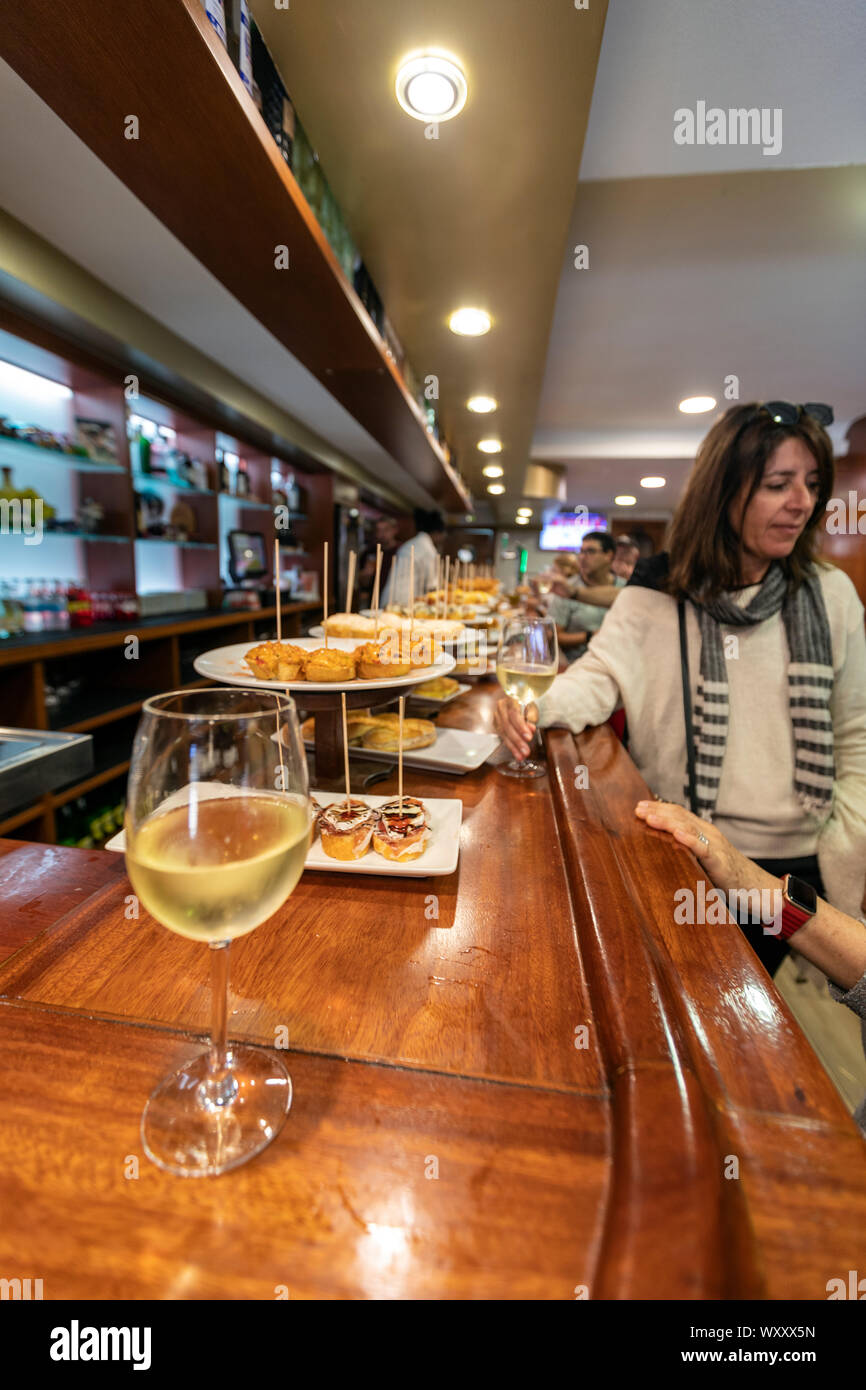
[220, 1087]
[532, 735]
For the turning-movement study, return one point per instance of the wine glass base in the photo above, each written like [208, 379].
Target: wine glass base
[523, 771]
[185, 1133]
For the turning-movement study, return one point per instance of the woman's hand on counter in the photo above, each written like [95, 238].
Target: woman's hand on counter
[513, 729]
[831, 940]
[726, 866]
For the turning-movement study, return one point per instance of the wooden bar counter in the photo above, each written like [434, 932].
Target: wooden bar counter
[521, 1081]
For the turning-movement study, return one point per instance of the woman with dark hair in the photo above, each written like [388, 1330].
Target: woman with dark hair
[776, 659]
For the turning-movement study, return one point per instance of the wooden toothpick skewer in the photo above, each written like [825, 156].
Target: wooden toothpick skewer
[411, 587]
[325, 586]
[376, 589]
[445, 590]
[400, 755]
[346, 753]
[277, 587]
[411, 595]
[350, 583]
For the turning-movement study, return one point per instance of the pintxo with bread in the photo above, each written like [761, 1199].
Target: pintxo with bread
[399, 830]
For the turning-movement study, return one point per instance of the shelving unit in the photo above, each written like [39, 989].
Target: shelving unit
[109, 708]
[313, 310]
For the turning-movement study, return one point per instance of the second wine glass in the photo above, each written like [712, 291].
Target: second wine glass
[526, 666]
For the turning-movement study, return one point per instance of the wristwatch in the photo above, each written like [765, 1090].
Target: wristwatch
[799, 904]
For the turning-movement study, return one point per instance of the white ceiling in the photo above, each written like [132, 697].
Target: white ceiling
[805, 56]
[709, 261]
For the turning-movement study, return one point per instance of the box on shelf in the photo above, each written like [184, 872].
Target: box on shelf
[174, 601]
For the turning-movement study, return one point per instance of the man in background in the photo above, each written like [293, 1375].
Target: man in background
[578, 617]
[428, 539]
[386, 536]
[626, 557]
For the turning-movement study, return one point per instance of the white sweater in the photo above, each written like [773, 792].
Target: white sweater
[634, 660]
[426, 568]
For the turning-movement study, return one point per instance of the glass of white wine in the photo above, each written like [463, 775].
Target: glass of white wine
[526, 666]
[218, 823]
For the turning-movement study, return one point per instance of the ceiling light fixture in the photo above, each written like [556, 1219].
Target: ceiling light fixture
[490, 446]
[522, 520]
[493, 470]
[524, 511]
[625, 501]
[482, 405]
[653, 482]
[496, 488]
[470, 323]
[431, 86]
[696, 405]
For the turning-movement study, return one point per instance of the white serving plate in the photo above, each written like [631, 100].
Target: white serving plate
[226, 665]
[440, 857]
[455, 751]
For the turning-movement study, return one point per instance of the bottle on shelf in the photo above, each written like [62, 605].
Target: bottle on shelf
[215, 12]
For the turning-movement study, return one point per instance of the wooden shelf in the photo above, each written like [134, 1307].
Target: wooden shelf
[104, 712]
[91, 784]
[202, 187]
[16, 452]
[169, 540]
[158, 480]
[92, 537]
[46, 646]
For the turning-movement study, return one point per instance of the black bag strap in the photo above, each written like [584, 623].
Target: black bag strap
[687, 708]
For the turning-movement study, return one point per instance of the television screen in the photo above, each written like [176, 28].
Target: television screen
[566, 530]
[247, 556]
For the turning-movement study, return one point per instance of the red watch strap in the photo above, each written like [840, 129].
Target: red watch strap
[793, 918]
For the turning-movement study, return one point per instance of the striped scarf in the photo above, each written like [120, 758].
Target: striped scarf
[810, 683]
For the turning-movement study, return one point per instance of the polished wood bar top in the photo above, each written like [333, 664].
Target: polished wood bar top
[520, 1081]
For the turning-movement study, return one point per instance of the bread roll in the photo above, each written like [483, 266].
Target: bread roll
[384, 737]
[349, 625]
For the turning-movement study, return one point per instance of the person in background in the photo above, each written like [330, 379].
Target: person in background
[428, 539]
[626, 557]
[582, 614]
[386, 536]
[833, 941]
[776, 657]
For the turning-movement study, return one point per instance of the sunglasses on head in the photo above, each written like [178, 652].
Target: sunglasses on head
[784, 413]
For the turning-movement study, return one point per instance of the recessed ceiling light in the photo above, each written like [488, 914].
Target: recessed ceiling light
[624, 501]
[653, 482]
[431, 86]
[490, 446]
[470, 323]
[522, 520]
[482, 405]
[496, 488]
[524, 511]
[696, 405]
[492, 470]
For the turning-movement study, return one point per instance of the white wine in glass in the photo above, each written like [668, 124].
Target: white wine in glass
[218, 825]
[526, 666]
